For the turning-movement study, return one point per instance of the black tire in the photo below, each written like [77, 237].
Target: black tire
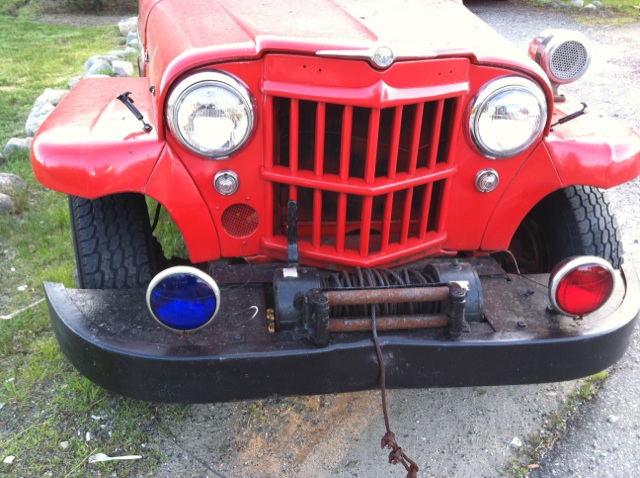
[112, 241]
[573, 221]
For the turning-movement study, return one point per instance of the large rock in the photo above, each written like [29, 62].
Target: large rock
[74, 81]
[15, 145]
[133, 42]
[127, 25]
[122, 68]
[98, 65]
[10, 184]
[117, 54]
[101, 67]
[6, 203]
[51, 96]
[36, 117]
[42, 108]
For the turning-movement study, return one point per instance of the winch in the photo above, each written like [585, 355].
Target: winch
[442, 295]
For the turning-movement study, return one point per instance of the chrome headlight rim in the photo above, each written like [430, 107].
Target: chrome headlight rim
[488, 92]
[213, 78]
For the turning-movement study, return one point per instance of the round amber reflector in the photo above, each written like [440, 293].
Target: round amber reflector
[581, 285]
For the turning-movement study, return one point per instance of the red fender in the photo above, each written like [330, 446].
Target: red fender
[520, 196]
[173, 187]
[92, 146]
[591, 150]
[594, 150]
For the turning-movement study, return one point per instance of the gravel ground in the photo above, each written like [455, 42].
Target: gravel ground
[80, 20]
[450, 432]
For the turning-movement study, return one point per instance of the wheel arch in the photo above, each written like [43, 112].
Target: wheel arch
[171, 185]
[520, 197]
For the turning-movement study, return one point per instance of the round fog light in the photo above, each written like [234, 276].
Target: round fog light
[580, 285]
[183, 298]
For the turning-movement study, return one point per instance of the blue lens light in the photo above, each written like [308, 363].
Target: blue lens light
[183, 298]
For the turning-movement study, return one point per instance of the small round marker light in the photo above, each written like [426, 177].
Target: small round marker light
[487, 180]
[183, 298]
[226, 182]
[580, 285]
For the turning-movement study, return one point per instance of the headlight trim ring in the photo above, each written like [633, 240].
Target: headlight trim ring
[490, 91]
[212, 79]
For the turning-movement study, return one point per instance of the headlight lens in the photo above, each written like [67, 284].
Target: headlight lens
[211, 114]
[507, 116]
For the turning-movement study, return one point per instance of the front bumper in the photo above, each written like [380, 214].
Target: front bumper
[110, 337]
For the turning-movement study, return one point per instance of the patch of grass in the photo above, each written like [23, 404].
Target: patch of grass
[36, 56]
[11, 7]
[30, 7]
[167, 233]
[553, 427]
[53, 418]
[89, 6]
[35, 242]
[609, 17]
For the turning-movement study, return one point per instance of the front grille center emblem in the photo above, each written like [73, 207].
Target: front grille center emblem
[378, 55]
[382, 56]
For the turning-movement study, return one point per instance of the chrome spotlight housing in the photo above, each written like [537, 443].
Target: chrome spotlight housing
[564, 55]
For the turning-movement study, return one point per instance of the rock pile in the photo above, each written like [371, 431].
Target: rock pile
[595, 5]
[113, 63]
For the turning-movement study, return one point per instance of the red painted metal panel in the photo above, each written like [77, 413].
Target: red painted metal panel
[92, 146]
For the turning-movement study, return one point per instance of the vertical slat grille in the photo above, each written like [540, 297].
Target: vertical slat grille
[369, 183]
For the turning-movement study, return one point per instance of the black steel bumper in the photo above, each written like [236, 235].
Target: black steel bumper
[110, 337]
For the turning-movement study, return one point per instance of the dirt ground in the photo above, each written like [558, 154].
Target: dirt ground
[449, 432]
[80, 20]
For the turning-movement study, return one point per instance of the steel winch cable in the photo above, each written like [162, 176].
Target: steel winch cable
[371, 278]
[396, 455]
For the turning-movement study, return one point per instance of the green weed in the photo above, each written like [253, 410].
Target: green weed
[554, 426]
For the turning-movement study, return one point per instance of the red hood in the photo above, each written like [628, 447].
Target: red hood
[245, 29]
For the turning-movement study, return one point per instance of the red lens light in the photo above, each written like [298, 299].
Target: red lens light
[584, 289]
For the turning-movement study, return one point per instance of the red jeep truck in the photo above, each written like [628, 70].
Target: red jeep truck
[338, 171]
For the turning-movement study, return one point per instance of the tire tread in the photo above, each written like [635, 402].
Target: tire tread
[112, 240]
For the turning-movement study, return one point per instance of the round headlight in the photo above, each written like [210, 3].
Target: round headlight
[507, 116]
[211, 114]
